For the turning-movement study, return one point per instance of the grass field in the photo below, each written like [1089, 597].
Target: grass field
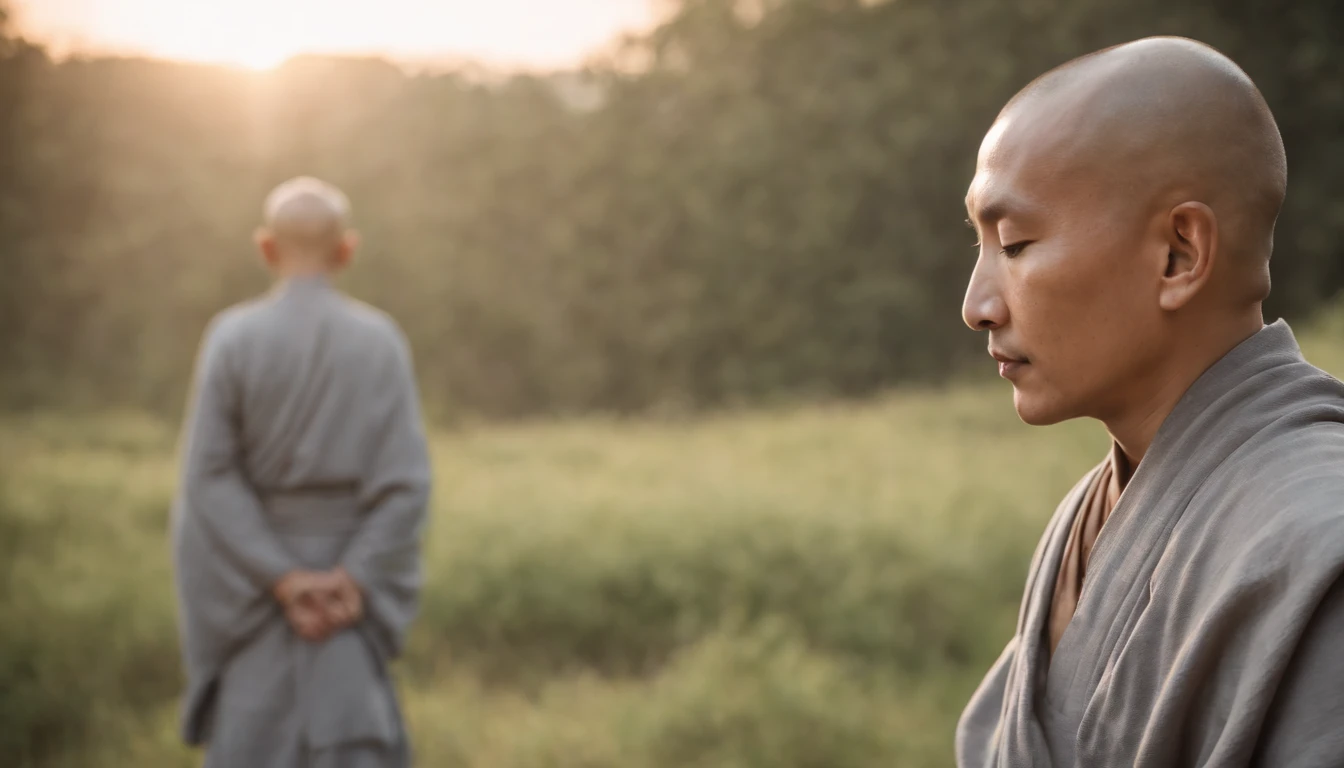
[798, 588]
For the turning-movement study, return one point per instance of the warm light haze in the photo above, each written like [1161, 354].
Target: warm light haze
[260, 34]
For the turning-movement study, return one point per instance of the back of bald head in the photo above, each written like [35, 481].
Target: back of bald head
[307, 214]
[1173, 120]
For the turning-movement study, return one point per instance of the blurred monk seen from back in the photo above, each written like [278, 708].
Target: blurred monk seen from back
[298, 522]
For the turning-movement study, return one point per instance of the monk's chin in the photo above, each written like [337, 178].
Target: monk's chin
[1036, 413]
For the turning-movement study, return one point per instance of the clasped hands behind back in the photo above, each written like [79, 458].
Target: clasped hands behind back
[318, 604]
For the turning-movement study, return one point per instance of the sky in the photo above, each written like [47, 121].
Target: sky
[262, 33]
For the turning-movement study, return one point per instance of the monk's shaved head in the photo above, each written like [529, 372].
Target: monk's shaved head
[306, 227]
[307, 212]
[1126, 204]
[1163, 119]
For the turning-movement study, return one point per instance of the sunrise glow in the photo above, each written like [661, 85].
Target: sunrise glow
[259, 34]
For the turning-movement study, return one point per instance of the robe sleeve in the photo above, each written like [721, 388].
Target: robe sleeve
[1304, 727]
[383, 556]
[217, 493]
[977, 730]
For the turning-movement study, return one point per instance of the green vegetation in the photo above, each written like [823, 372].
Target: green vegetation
[770, 207]
[800, 587]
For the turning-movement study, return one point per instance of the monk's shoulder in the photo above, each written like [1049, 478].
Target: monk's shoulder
[374, 325]
[1286, 503]
[233, 324]
[363, 312]
[1303, 470]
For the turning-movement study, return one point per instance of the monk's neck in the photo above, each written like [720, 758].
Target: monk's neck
[303, 271]
[1135, 426]
[1134, 431]
[302, 284]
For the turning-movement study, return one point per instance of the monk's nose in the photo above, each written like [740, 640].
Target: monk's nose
[984, 308]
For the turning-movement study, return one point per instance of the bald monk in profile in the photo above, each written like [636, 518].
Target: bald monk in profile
[297, 526]
[1185, 606]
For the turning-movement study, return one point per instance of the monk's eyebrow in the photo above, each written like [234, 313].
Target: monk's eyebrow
[998, 208]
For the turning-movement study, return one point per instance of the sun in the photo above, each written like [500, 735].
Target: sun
[239, 43]
[259, 58]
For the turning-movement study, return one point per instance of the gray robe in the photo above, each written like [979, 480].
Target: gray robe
[303, 448]
[1210, 629]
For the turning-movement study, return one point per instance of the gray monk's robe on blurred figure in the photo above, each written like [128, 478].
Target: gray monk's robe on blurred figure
[303, 449]
[1210, 628]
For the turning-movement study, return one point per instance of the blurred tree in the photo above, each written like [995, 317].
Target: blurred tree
[21, 271]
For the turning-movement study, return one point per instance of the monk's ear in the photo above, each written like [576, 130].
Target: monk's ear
[1192, 234]
[345, 250]
[265, 241]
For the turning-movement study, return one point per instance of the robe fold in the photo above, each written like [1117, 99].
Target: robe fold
[1210, 627]
[1098, 500]
[303, 447]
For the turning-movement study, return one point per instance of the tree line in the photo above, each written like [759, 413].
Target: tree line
[754, 200]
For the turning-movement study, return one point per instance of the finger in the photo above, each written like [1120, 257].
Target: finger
[347, 600]
[290, 585]
[337, 613]
[352, 601]
[302, 593]
[333, 580]
[303, 622]
[305, 629]
[306, 621]
[342, 574]
[338, 600]
[348, 584]
[353, 596]
[317, 631]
